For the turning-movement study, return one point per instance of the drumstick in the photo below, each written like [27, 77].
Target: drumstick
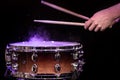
[60, 22]
[64, 10]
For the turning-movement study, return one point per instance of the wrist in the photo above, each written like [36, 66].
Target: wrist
[114, 11]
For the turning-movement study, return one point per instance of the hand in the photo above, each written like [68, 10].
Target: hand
[100, 21]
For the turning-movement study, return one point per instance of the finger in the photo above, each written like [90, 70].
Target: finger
[97, 28]
[103, 28]
[93, 25]
[88, 23]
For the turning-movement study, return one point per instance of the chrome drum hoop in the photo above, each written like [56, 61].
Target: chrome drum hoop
[54, 47]
[66, 76]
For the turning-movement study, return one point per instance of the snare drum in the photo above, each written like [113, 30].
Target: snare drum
[44, 60]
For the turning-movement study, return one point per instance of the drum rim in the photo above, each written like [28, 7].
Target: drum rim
[74, 46]
[42, 76]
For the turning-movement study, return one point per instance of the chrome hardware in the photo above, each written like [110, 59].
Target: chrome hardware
[75, 56]
[81, 46]
[57, 56]
[75, 65]
[14, 56]
[22, 75]
[80, 55]
[7, 52]
[28, 75]
[15, 66]
[8, 58]
[32, 75]
[82, 51]
[81, 62]
[78, 65]
[57, 68]
[34, 68]
[34, 57]
[8, 64]
[19, 74]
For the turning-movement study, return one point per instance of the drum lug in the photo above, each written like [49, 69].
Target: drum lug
[8, 58]
[15, 66]
[77, 69]
[57, 56]
[75, 56]
[80, 54]
[80, 65]
[34, 68]
[34, 57]
[57, 68]
[77, 66]
[14, 56]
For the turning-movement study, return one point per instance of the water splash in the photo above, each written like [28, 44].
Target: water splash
[36, 38]
[38, 34]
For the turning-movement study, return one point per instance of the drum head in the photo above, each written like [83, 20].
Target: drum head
[44, 46]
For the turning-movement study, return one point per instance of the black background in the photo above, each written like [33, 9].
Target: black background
[101, 48]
